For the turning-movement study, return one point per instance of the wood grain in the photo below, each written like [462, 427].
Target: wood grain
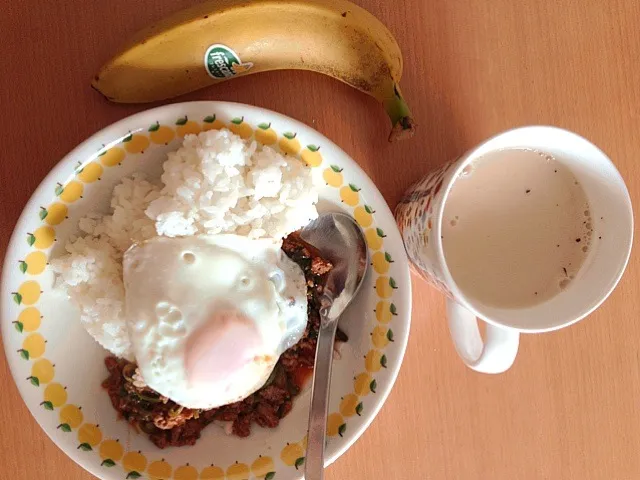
[570, 406]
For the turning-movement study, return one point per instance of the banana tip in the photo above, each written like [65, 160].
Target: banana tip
[94, 85]
[403, 129]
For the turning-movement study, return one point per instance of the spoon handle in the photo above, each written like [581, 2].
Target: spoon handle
[314, 462]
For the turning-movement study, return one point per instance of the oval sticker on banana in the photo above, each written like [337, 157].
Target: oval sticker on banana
[222, 62]
[210, 43]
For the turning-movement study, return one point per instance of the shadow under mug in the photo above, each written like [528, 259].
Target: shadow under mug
[420, 214]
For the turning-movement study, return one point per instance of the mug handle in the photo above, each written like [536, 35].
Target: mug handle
[499, 349]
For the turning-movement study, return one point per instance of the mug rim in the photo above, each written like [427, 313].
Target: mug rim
[459, 296]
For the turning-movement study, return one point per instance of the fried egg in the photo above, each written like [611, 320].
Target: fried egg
[209, 316]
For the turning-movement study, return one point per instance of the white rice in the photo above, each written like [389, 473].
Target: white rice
[219, 183]
[215, 183]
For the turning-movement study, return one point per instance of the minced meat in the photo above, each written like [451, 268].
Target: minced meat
[169, 424]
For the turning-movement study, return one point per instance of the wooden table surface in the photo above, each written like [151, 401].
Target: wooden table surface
[570, 406]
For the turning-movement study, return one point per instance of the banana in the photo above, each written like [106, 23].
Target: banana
[223, 39]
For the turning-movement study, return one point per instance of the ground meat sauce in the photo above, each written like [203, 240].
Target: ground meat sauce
[168, 424]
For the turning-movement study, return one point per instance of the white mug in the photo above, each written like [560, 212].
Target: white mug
[420, 217]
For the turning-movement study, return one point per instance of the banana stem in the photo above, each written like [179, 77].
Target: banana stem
[400, 115]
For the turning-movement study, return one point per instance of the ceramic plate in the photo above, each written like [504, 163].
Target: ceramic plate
[58, 368]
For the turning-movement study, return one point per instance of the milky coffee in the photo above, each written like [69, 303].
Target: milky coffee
[516, 228]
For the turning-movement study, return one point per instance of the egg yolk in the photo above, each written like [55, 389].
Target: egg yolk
[224, 345]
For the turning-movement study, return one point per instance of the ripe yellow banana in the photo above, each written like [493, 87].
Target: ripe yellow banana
[223, 39]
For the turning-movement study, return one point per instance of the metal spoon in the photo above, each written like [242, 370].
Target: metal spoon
[341, 241]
